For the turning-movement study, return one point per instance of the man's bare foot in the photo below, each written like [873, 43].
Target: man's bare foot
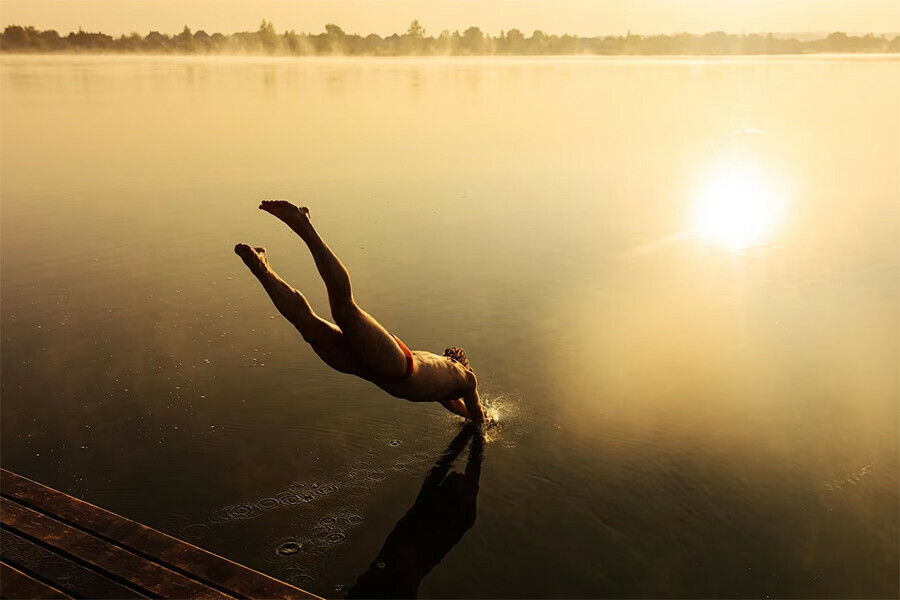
[254, 258]
[293, 216]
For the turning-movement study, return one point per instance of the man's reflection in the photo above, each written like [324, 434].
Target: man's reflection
[444, 510]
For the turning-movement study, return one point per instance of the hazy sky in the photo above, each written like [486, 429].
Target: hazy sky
[583, 17]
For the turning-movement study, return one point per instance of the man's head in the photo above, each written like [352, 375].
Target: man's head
[459, 355]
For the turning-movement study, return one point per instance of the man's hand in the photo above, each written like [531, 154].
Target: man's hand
[472, 401]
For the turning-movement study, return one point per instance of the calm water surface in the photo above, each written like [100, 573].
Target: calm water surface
[678, 282]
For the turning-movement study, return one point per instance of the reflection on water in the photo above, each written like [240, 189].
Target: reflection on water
[739, 205]
[324, 513]
[677, 280]
[442, 513]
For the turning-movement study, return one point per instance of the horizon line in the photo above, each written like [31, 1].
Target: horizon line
[821, 32]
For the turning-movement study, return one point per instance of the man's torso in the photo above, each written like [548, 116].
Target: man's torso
[434, 378]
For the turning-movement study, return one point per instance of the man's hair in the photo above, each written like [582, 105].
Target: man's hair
[459, 355]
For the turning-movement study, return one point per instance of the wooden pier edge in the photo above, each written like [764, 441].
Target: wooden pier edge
[53, 545]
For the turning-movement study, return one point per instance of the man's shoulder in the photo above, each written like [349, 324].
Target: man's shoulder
[423, 356]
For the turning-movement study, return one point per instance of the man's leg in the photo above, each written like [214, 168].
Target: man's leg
[371, 343]
[326, 339]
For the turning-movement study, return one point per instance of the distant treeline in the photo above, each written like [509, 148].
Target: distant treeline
[415, 42]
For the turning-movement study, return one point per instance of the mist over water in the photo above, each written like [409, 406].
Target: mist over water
[677, 281]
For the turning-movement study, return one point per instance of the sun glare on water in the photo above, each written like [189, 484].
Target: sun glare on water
[738, 206]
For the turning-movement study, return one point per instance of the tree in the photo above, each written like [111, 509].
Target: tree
[537, 43]
[894, 44]
[155, 40]
[515, 41]
[217, 41]
[415, 30]
[89, 41]
[15, 37]
[266, 27]
[333, 31]
[267, 36]
[334, 39]
[185, 40]
[371, 44]
[414, 39]
[473, 41]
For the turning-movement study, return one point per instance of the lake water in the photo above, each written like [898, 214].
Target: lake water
[678, 281]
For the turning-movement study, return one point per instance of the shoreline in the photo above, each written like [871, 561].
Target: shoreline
[455, 57]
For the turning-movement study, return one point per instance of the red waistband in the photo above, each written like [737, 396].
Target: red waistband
[410, 362]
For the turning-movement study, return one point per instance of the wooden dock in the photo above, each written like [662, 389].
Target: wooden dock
[55, 546]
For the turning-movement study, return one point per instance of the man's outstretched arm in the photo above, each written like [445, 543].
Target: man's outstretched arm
[473, 402]
[456, 407]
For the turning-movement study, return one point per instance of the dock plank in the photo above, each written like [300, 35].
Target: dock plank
[116, 562]
[171, 552]
[70, 577]
[14, 584]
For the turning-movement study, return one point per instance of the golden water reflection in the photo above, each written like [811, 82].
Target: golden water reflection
[685, 313]
[739, 204]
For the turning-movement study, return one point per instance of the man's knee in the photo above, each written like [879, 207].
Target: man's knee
[341, 295]
[344, 308]
[314, 331]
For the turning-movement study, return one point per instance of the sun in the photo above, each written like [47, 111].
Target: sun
[737, 206]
